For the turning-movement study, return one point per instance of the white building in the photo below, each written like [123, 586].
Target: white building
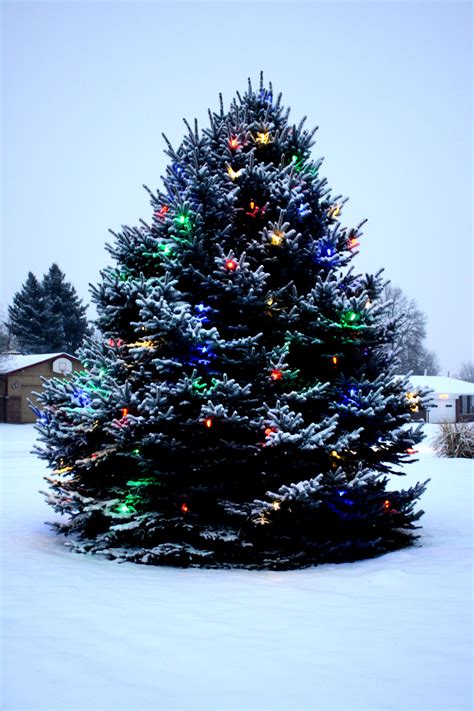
[452, 400]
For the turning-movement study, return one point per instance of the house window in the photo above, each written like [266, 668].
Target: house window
[467, 404]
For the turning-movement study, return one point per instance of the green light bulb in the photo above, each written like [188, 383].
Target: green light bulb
[350, 318]
[184, 221]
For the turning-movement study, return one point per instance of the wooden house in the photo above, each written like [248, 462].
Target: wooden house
[20, 376]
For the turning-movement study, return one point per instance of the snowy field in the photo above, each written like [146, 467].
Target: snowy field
[84, 634]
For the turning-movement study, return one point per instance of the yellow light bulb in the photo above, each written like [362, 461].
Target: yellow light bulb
[334, 211]
[233, 173]
[263, 137]
[276, 237]
[141, 344]
[269, 301]
[412, 399]
[335, 454]
[276, 505]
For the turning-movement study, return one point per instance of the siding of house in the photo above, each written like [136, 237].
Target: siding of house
[18, 387]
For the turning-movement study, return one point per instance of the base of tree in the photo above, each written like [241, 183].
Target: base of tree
[250, 556]
[329, 523]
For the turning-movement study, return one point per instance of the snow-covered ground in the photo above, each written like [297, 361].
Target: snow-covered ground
[84, 634]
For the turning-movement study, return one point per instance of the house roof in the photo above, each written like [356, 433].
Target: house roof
[443, 384]
[11, 363]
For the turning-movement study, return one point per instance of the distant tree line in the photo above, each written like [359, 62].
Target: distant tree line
[45, 317]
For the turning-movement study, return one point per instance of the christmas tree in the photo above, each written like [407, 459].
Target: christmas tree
[242, 407]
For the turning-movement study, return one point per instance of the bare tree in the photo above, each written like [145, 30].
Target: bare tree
[6, 338]
[466, 371]
[410, 333]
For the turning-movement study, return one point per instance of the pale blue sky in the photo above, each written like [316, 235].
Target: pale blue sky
[88, 88]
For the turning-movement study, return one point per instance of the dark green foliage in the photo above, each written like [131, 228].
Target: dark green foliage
[68, 311]
[48, 317]
[30, 317]
[243, 406]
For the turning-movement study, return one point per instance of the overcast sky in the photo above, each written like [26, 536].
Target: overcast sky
[88, 88]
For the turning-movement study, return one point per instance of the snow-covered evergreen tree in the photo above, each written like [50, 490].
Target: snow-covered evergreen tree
[48, 317]
[30, 316]
[62, 300]
[243, 406]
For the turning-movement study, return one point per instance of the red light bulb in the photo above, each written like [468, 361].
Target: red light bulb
[184, 508]
[234, 143]
[208, 422]
[231, 265]
[162, 211]
[276, 374]
[124, 411]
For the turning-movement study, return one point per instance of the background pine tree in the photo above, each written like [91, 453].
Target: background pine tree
[61, 297]
[28, 317]
[242, 407]
[48, 317]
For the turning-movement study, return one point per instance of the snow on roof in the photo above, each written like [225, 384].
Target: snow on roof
[10, 363]
[443, 384]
